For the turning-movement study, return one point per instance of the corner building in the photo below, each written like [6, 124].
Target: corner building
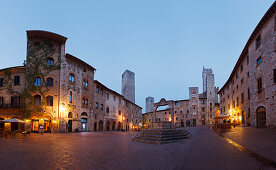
[56, 92]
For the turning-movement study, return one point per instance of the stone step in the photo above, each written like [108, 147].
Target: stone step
[162, 135]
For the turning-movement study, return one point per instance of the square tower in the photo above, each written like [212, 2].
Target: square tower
[149, 104]
[128, 85]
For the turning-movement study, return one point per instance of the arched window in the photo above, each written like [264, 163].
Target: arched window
[50, 82]
[37, 100]
[49, 100]
[37, 81]
[50, 61]
[70, 97]
[70, 115]
[84, 114]
[71, 78]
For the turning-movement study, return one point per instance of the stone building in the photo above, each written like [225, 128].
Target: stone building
[199, 109]
[56, 92]
[248, 96]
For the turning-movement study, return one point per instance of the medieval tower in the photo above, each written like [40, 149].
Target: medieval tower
[210, 90]
[128, 85]
[149, 104]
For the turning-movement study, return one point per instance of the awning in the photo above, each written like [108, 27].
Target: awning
[13, 120]
[222, 117]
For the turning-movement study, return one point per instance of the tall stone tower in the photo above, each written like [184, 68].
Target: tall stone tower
[149, 104]
[128, 85]
[193, 104]
[205, 73]
[210, 90]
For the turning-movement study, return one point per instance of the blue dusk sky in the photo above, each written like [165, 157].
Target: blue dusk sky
[165, 42]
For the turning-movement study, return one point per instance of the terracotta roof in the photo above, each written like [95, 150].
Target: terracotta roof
[96, 81]
[79, 60]
[15, 67]
[46, 35]
[267, 15]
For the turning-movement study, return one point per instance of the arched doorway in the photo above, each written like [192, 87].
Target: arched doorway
[261, 117]
[108, 125]
[119, 126]
[83, 124]
[182, 123]
[70, 122]
[113, 125]
[2, 124]
[95, 126]
[100, 125]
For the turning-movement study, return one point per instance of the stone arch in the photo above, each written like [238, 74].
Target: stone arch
[108, 125]
[100, 125]
[261, 117]
[84, 114]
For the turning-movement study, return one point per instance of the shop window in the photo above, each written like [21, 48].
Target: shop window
[49, 100]
[16, 80]
[37, 100]
[50, 82]
[37, 81]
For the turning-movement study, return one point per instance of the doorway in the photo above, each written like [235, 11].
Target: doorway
[261, 117]
[70, 127]
[83, 124]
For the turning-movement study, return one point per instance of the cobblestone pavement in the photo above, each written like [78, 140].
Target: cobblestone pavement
[115, 150]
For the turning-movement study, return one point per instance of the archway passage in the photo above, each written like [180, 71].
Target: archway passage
[261, 117]
[100, 125]
[70, 122]
[113, 125]
[108, 125]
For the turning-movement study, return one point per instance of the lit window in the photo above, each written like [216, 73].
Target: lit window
[71, 78]
[37, 81]
[50, 61]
